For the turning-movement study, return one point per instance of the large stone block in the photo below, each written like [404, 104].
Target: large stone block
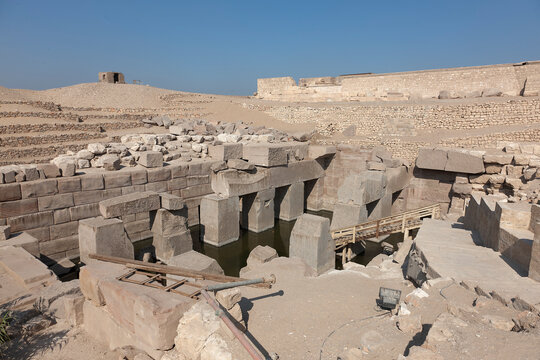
[314, 194]
[18, 207]
[226, 151]
[295, 172]
[311, 241]
[318, 151]
[465, 161]
[92, 182]
[266, 154]
[129, 204]
[433, 159]
[258, 211]
[220, 219]
[346, 215]
[150, 159]
[10, 192]
[194, 260]
[103, 237]
[364, 188]
[24, 268]
[31, 221]
[84, 211]
[397, 179]
[54, 202]
[516, 245]
[380, 208]
[38, 188]
[171, 235]
[117, 179]
[534, 265]
[289, 201]
[237, 183]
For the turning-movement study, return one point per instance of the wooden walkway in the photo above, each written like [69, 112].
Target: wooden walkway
[373, 230]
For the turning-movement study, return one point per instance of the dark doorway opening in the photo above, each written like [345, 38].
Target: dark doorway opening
[115, 77]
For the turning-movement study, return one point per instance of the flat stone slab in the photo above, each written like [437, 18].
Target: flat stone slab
[23, 240]
[449, 251]
[133, 203]
[24, 268]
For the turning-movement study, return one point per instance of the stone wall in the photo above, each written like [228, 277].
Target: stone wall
[510, 79]
[50, 209]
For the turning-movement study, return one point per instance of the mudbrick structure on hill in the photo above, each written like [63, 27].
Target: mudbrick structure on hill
[112, 195]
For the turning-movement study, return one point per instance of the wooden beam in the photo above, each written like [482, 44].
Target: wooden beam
[173, 270]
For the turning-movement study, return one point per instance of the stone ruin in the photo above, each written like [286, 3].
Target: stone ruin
[111, 77]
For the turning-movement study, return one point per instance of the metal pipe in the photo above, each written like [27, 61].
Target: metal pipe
[217, 287]
[236, 332]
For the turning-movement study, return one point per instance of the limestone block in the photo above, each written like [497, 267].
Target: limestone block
[260, 255]
[535, 217]
[465, 161]
[311, 241]
[54, 202]
[295, 172]
[171, 202]
[67, 185]
[516, 245]
[117, 179]
[318, 151]
[23, 240]
[158, 174]
[499, 158]
[226, 151]
[194, 260]
[31, 221]
[84, 211]
[103, 237]
[240, 164]
[364, 188]
[92, 274]
[150, 159]
[289, 201]
[18, 207]
[258, 211]
[514, 171]
[92, 182]
[534, 265]
[168, 222]
[129, 204]
[433, 159]
[314, 194]
[493, 168]
[109, 162]
[168, 246]
[220, 219]
[265, 154]
[462, 189]
[376, 166]
[237, 183]
[515, 215]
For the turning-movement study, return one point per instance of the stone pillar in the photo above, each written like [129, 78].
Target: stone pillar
[380, 208]
[289, 201]
[220, 218]
[311, 241]
[534, 265]
[258, 211]
[104, 237]
[314, 191]
[171, 234]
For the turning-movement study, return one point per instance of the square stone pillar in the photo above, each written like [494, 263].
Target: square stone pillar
[534, 265]
[314, 191]
[311, 241]
[289, 201]
[103, 237]
[346, 215]
[220, 219]
[258, 211]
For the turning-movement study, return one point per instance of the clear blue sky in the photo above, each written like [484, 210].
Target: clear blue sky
[224, 46]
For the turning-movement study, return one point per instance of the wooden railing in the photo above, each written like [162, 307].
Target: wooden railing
[370, 230]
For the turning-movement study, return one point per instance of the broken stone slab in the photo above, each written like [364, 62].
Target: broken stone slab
[150, 159]
[194, 260]
[225, 152]
[500, 158]
[240, 164]
[266, 155]
[129, 204]
[311, 241]
[465, 161]
[104, 237]
[228, 298]
[260, 255]
[432, 159]
[220, 219]
[25, 241]
[24, 268]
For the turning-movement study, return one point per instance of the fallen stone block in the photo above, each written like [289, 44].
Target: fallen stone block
[260, 255]
[168, 246]
[150, 159]
[23, 240]
[311, 241]
[194, 260]
[104, 237]
[129, 204]
[432, 159]
[25, 268]
[465, 161]
[226, 151]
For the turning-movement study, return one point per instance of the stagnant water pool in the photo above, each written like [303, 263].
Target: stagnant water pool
[232, 257]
